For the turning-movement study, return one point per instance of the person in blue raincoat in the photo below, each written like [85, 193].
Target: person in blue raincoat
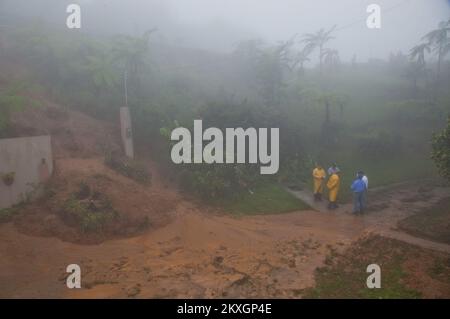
[358, 187]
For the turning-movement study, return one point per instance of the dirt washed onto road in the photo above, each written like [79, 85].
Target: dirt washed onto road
[187, 251]
[194, 256]
[199, 254]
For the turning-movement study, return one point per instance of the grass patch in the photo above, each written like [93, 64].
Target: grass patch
[265, 199]
[345, 275]
[6, 214]
[433, 223]
[381, 172]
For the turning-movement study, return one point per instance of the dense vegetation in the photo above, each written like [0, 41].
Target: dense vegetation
[377, 116]
[441, 151]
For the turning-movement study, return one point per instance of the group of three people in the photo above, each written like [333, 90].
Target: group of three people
[359, 187]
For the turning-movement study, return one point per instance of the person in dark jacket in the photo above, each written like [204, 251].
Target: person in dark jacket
[366, 181]
[358, 187]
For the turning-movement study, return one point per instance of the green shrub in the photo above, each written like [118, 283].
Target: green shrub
[8, 178]
[9, 102]
[87, 215]
[216, 181]
[414, 112]
[89, 210]
[441, 151]
[6, 214]
[379, 144]
[295, 171]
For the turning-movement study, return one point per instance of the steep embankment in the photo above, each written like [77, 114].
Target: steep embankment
[85, 201]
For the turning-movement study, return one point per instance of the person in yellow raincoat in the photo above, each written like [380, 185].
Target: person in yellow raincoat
[333, 189]
[318, 181]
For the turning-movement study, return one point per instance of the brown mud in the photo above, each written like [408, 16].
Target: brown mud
[189, 251]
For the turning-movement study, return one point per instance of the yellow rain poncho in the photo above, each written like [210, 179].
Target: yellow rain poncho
[318, 177]
[333, 187]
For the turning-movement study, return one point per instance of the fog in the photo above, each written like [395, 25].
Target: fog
[224, 149]
[219, 25]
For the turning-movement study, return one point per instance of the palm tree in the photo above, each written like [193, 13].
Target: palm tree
[418, 52]
[300, 59]
[417, 67]
[341, 99]
[131, 52]
[330, 57]
[438, 38]
[414, 71]
[102, 71]
[327, 100]
[271, 64]
[318, 40]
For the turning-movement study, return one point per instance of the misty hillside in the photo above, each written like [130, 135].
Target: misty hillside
[361, 157]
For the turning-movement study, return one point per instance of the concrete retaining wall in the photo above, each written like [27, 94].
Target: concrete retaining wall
[30, 160]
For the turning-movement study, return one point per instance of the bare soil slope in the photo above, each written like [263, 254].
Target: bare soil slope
[74, 134]
[79, 143]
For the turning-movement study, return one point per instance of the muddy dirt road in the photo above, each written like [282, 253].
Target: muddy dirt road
[201, 254]
[388, 205]
[195, 256]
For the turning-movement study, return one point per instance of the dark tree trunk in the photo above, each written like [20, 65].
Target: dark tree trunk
[320, 58]
[326, 125]
[327, 113]
[438, 75]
